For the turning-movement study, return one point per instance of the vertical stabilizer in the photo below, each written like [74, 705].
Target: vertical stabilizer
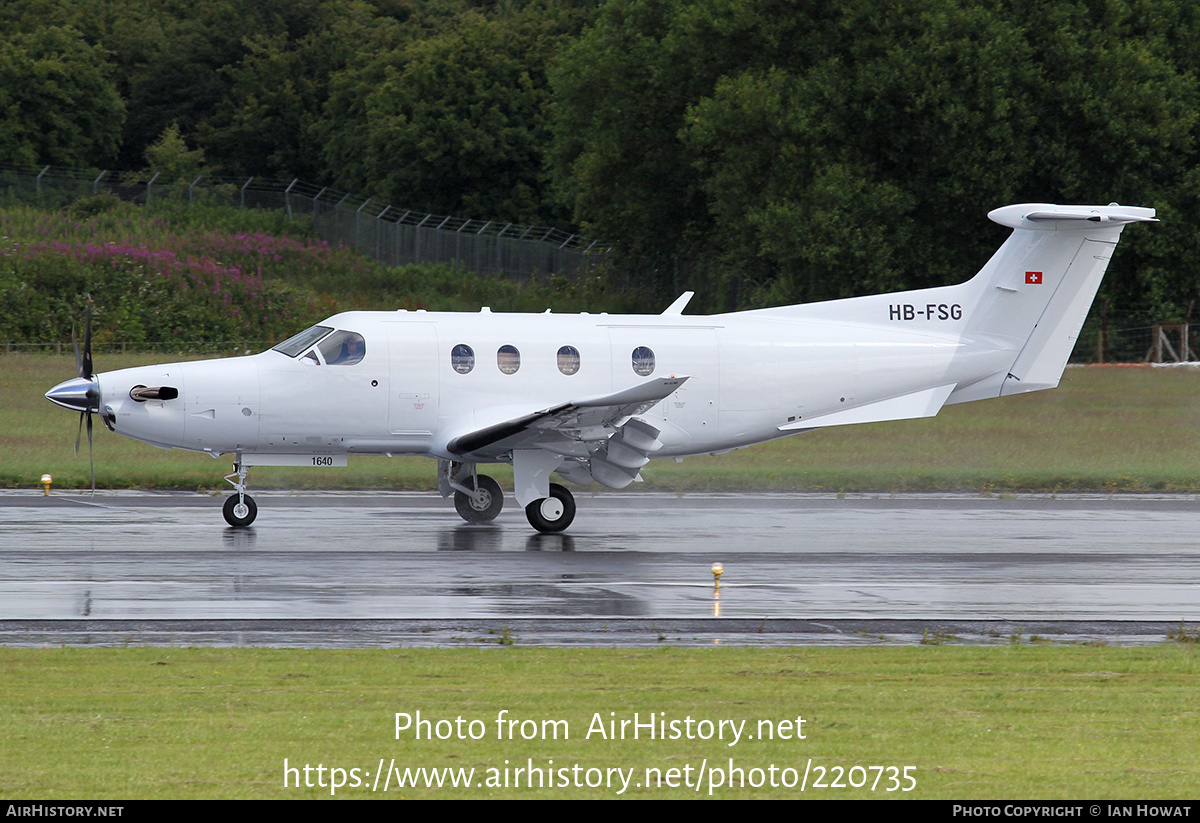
[1037, 289]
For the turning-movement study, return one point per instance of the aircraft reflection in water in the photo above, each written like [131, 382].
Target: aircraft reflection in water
[595, 397]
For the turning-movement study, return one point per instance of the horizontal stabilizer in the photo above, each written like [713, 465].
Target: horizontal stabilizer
[1045, 216]
[1094, 218]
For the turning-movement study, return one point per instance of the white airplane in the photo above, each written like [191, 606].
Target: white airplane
[595, 397]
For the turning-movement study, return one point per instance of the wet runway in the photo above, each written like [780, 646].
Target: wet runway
[635, 568]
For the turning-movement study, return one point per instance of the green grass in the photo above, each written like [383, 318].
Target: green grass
[1103, 429]
[972, 723]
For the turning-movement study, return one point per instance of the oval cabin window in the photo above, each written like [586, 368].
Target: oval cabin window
[643, 361]
[568, 360]
[462, 358]
[508, 359]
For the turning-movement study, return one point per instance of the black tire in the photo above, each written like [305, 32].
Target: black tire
[550, 519]
[231, 515]
[484, 511]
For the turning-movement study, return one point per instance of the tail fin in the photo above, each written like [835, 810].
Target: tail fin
[1034, 294]
[1019, 316]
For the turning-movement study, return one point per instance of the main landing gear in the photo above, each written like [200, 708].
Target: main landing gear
[479, 499]
[554, 513]
[239, 509]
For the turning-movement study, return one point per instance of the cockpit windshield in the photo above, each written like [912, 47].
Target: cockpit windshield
[295, 345]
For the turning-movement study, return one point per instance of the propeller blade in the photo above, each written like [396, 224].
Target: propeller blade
[91, 457]
[83, 392]
[78, 359]
[86, 363]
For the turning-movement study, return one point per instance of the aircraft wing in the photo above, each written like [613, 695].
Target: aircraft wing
[566, 427]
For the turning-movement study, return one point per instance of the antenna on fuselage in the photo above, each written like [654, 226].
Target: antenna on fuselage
[680, 302]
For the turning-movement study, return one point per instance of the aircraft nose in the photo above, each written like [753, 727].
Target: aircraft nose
[78, 394]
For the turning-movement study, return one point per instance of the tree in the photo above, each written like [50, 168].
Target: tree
[457, 122]
[171, 156]
[57, 102]
[819, 150]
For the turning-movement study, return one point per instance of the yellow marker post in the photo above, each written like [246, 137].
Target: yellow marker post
[46, 481]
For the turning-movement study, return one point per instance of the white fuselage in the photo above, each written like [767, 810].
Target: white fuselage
[752, 377]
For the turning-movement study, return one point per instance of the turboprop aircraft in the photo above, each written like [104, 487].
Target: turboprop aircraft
[593, 397]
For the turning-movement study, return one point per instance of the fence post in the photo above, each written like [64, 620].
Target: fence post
[358, 224]
[417, 235]
[287, 198]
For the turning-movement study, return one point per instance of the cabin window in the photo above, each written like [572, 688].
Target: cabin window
[508, 359]
[462, 358]
[643, 361]
[343, 348]
[294, 345]
[568, 360]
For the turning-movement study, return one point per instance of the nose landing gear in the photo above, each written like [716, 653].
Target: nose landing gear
[239, 509]
[482, 502]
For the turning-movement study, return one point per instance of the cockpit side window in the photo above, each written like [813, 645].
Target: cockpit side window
[343, 348]
[302, 341]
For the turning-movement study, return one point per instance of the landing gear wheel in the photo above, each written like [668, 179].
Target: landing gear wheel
[486, 507]
[240, 515]
[554, 513]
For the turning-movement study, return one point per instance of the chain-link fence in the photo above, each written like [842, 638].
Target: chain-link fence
[397, 237]
[214, 348]
[393, 236]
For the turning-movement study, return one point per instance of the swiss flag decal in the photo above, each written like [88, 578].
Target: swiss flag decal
[1033, 277]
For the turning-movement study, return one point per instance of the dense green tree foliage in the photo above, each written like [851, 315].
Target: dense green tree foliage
[820, 150]
[57, 102]
[769, 150]
[457, 122]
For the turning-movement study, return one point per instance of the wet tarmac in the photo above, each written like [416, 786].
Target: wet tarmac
[340, 569]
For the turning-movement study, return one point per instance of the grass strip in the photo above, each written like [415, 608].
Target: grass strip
[1018, 721]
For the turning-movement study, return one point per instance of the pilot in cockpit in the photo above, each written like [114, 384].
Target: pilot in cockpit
[351, 352]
